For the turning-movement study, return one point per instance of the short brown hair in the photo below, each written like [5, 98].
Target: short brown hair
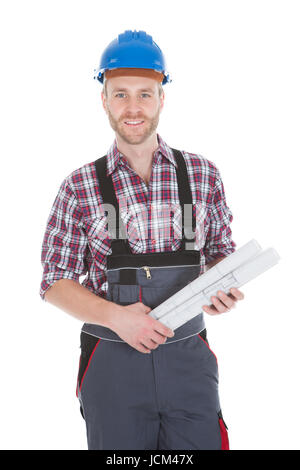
[104, 88]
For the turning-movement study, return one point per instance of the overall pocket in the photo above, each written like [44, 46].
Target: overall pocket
[88, 345]
[223, 431]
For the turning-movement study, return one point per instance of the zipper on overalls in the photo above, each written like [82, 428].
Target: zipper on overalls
[147, 270]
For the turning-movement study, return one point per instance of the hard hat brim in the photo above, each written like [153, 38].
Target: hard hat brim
[134, 72]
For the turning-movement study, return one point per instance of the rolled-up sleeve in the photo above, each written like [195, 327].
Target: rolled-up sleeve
[65, 242]
[219, 241]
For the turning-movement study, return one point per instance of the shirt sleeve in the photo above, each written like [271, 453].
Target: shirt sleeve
[65, 242]
[219, 241]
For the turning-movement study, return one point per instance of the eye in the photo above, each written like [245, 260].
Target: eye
[146, 94]
[118, 94]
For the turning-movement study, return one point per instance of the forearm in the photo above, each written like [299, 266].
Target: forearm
[78, 301]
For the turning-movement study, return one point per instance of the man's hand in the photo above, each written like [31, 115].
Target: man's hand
[133, 324]
[224, 302]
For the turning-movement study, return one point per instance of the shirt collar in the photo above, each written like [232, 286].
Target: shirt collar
[115, 157]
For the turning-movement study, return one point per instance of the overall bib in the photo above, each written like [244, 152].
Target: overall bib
[167, 399]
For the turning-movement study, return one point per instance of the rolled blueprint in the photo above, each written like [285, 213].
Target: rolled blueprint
[235, 270]
[224, 267]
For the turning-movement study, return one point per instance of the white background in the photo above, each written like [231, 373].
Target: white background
[234, 99]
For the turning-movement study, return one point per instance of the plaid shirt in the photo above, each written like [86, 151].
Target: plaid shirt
[72, 245]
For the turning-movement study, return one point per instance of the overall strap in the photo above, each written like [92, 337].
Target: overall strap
[119, 241]
[185, 197]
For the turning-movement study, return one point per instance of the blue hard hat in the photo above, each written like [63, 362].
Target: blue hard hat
[132, 49]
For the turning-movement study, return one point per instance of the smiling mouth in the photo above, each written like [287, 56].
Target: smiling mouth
[134, 123]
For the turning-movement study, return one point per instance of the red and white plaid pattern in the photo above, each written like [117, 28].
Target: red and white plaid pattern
[73, 245]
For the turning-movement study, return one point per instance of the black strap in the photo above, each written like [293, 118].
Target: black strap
[185, 197]
[119, 241]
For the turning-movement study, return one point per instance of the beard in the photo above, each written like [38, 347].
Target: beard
[131, 135]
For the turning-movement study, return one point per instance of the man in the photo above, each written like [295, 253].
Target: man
[140, 385]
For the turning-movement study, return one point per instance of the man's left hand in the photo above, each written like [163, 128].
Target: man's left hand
[224, 302]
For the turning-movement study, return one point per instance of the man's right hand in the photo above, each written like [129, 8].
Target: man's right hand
[133, 324]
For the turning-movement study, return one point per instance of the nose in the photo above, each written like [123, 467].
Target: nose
[133, 105]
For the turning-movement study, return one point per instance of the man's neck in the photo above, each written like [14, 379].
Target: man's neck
[139, 156]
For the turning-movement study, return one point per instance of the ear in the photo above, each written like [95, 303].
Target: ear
[162, 101]
[103, 101]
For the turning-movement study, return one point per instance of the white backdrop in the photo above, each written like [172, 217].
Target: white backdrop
[234, 99]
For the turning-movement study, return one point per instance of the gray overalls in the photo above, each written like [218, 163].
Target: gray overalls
[164, 400]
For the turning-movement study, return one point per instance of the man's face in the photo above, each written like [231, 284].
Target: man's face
[133, 99]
